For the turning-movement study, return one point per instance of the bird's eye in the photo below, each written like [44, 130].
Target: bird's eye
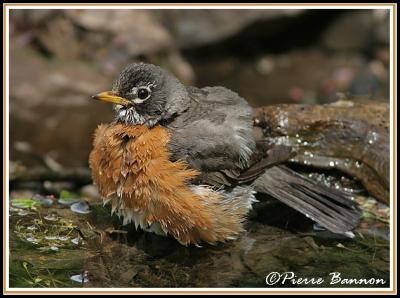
[143, 93]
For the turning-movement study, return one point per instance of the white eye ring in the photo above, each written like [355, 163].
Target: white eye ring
[142, 91]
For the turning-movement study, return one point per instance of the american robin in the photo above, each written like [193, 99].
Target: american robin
[187, 162]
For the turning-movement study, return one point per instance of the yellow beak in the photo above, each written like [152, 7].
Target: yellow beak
[112, 97]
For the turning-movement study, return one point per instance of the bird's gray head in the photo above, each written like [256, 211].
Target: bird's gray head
[146, 94]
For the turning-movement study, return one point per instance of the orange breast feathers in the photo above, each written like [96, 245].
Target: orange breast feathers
[131, 167]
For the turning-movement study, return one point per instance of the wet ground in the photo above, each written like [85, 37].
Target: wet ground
[72, 241]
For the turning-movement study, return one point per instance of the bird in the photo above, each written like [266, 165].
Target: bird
[190, 162]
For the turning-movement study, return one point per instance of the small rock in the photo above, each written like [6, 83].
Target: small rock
[32, 240]
[23, 213]
[12, 209]
[76, 241]
[50, 237]
[80, 207]
[51, 217]
[80, 278]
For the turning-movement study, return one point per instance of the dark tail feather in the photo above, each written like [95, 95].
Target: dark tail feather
[333, 209]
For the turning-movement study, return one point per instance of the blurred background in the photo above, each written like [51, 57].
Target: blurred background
[59, 58]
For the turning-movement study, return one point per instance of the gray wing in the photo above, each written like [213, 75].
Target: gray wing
[216, 133]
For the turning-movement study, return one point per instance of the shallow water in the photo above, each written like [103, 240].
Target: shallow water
[49, 245]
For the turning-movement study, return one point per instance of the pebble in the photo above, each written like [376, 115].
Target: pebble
[23, 213]
[51, 217]
[80, 278]
[32, 239]
[76, 241]
[80, 207]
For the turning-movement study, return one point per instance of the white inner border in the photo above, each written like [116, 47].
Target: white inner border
[392, 70]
